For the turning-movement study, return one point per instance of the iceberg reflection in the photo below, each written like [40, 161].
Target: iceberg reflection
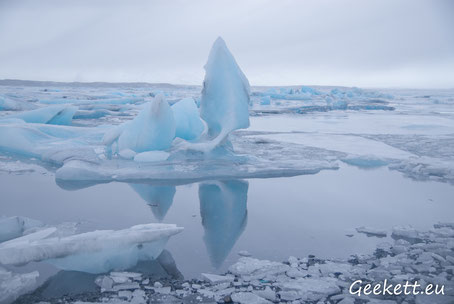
[160, 198]
[223, 207]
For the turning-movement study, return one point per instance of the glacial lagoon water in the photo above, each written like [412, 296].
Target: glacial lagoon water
[269, 218]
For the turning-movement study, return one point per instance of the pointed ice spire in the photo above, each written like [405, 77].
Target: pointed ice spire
[225, 96]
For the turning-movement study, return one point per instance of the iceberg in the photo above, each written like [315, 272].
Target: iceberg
[189, 126]
[54, 115]
[265, 100]
[7, 104]
[223, 207]
[14, 284]
[225, 98]
[93, 252]
[16, 226]
[152, 129]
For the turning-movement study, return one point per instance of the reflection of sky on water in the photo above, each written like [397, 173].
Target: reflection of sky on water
[271, 218]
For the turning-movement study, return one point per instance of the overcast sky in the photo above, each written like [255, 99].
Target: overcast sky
[378, 43]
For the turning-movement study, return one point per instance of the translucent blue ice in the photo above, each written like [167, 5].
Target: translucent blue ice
[189, 126]
[152, 129]
[225, 96]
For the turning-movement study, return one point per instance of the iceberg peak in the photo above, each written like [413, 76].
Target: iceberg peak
[225, 96]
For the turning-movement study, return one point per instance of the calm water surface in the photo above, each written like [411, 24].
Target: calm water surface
[271, 218]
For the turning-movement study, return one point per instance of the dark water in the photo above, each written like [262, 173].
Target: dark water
[270, 218]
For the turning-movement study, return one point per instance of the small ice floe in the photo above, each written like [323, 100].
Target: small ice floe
[93, 252]
[54, 115]
[16, 226]
[244, 253]
[370, 231]
[14, 284]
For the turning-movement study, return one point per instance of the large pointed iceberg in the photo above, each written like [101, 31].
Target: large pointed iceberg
[225, 97]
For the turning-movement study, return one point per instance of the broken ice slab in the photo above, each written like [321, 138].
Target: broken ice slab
[257, 269]
[94, 252]
[14, 284]
[217, 279]
[370, 231]
[54, 115]
[16, 226]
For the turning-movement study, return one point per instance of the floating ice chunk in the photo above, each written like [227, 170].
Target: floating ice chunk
[266, 293]
[127, 154]
[406, 232]
[224, 216]
[249, 298]
[372, 231]
[54, 115]
[309, 289]
[265, 100]
[7, 104]
[310, 90]
[365, 161]
[94, 252]
[115, 101]
[151, 156]
[14, 284]
[217, 279]
[189, 126]
[225, 96]
[336, 103]
[257, 268]
[152, 129]
[16, 226]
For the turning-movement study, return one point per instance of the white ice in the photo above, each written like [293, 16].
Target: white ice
[16, 226]
[14, 284]
[94, 252]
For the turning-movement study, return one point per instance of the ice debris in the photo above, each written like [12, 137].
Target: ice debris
[428, 260]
